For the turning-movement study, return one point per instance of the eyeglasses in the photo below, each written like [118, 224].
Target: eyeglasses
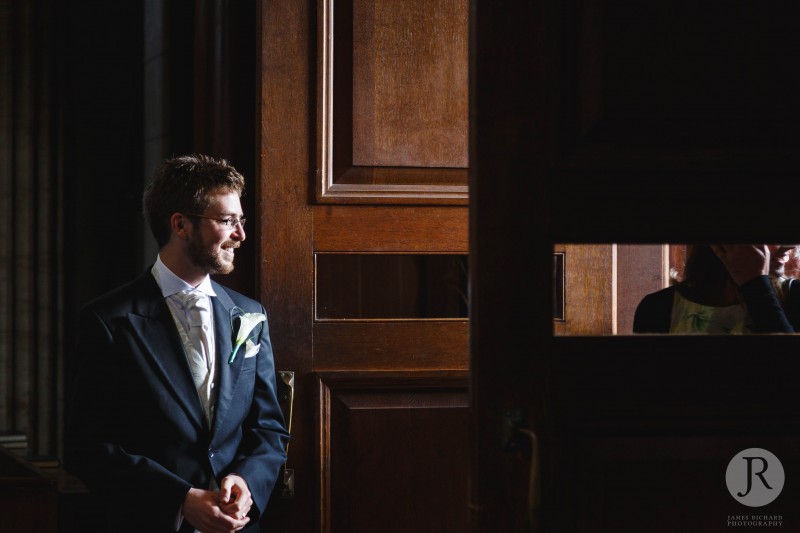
[229, 223]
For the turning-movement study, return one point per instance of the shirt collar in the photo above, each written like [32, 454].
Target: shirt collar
[170, 283]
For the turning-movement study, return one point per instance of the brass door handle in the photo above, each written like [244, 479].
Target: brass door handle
[515, 438]
[286, 397]
[534, 487]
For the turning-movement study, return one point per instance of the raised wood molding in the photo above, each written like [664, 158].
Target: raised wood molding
[372, 146]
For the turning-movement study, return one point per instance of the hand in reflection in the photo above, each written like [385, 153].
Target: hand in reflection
[744, 261]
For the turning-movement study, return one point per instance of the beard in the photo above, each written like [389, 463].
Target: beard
[207, 258]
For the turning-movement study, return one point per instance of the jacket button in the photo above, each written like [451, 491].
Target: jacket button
[211, 453]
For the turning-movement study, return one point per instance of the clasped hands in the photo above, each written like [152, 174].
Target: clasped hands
[222, 511]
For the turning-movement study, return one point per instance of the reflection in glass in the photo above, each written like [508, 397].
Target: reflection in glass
[725, 289]
[604, 285]
[391, 286]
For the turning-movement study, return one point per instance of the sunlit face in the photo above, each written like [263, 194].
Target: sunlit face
[211, 244]
[779, 256]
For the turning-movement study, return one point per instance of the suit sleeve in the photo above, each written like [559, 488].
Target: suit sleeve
[764, 308]
[792, 305]
[93, 453]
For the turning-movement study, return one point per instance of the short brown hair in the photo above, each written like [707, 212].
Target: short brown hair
[184, 185]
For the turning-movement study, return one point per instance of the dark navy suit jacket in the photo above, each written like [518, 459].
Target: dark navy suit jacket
[136, 433]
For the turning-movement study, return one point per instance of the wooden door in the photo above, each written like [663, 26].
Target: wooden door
[363, 232]
[632, 123]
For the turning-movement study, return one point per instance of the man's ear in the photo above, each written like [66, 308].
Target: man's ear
[180, 225]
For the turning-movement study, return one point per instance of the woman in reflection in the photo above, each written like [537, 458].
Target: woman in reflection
[727, 289]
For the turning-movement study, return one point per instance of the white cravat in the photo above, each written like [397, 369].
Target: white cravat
[200, 348]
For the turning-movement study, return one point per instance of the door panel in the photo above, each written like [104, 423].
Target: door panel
[392, 101]
[411, 229]
[393, 446]
[648, 426]
[617, 122]
[390, 345]
[363, 163]
[393, 286]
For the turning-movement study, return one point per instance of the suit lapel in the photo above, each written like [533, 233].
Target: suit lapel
[228, 374]
[153, 324]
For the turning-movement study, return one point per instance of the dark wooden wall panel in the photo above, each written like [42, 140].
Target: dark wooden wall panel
[410, 83]
[391, 345]
[391, 229]
[354, 286]
[392, 100]
[669, 105]
[623, 479]
[396, 453]
[642, 412]
[703, 97]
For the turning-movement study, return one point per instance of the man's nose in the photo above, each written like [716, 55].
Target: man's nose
[238, 232]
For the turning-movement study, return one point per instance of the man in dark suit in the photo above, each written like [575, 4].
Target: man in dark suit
[174, 423]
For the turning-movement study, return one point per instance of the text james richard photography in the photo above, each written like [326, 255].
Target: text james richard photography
[755, 520]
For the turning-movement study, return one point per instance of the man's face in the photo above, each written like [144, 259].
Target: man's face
[211, 244]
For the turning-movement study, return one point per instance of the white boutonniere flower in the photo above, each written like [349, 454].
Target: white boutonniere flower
[249, 325]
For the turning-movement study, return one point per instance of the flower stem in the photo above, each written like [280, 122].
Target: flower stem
[233, 354]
